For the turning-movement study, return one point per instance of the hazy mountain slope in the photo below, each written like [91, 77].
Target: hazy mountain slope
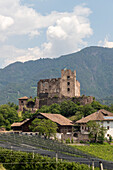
[94, 66]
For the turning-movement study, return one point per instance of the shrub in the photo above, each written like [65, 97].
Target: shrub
[72, 140]
[68, 140]
[110, 139]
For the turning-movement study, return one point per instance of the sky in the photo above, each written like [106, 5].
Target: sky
[34, 29]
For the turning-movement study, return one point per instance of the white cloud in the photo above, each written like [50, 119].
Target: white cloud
[65, 31]
[12, 54]
[5, 22]
[106, 43]
[68, 32]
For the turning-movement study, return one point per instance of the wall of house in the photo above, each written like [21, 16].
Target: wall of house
[109, 126]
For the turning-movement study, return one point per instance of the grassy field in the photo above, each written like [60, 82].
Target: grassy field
[101, 151]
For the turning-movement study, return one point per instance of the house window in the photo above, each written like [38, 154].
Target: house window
[21, 101]
[107, 134]
[68, 83]
[68, 77]
[108, 127]
[82, 127]
[68, 89]
[108, 121]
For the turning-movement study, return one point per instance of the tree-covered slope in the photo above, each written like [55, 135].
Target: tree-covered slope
[94, 66]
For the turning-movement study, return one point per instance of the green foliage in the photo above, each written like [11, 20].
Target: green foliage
[23, 161]
[68, 140]
[101, 151]
[44, 126]
[44, 109]
[96, 132]
[101, 136]
[55, 108]
[110, 139]
[72, 110]
[68, 108]
[13, 105]
[27, 115]
[72, 140]
[8, 115]
[88, 109]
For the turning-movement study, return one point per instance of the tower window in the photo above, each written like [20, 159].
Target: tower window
[68, 83]
[68, 77]
[68, 89]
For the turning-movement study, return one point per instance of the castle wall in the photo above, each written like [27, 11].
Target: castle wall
[22, 103]
[49, 87]
[83, 100]
[77, 89]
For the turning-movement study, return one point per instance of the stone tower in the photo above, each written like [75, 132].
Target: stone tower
[70, 87]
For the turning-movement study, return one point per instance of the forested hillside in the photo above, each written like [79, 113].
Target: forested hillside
[94, 66]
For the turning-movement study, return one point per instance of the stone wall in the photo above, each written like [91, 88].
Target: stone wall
[50, 87]
[83, 100]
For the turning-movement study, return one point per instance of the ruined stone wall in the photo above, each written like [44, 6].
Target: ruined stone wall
[77, 88]
[22, 103]
[50, 87]
[83, 100]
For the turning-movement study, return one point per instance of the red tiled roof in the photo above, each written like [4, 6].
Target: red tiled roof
[19, 123]
[100, 115]
[25, 97]
[58, 118]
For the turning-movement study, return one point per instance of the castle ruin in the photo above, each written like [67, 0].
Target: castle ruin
[55, 90]
[66, 86]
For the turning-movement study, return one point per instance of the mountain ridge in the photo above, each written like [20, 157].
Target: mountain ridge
[94, 67]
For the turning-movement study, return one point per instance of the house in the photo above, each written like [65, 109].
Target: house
[104, 117]
[65, 126]
[21, 126]
[27, 104]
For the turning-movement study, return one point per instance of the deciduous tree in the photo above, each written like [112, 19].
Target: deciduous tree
[44, 126]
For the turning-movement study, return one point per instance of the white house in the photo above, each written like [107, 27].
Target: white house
[102, 116]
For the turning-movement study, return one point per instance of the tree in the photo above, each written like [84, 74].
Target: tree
[44, 126]
[68, 108]
[55, 108]
[101, 136]
[88, 109]
[8, 115]
[96, 131]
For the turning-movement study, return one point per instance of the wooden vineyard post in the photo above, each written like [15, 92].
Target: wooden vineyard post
[101, 165]
[93, 165]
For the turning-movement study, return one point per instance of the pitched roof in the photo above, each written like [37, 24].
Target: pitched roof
[100, 115]
[19, 123]
[25, 97]
[57, 118]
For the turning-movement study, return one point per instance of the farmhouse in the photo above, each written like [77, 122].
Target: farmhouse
[104, 117]
[65, 126]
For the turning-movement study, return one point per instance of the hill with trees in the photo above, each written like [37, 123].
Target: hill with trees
[94, 66]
